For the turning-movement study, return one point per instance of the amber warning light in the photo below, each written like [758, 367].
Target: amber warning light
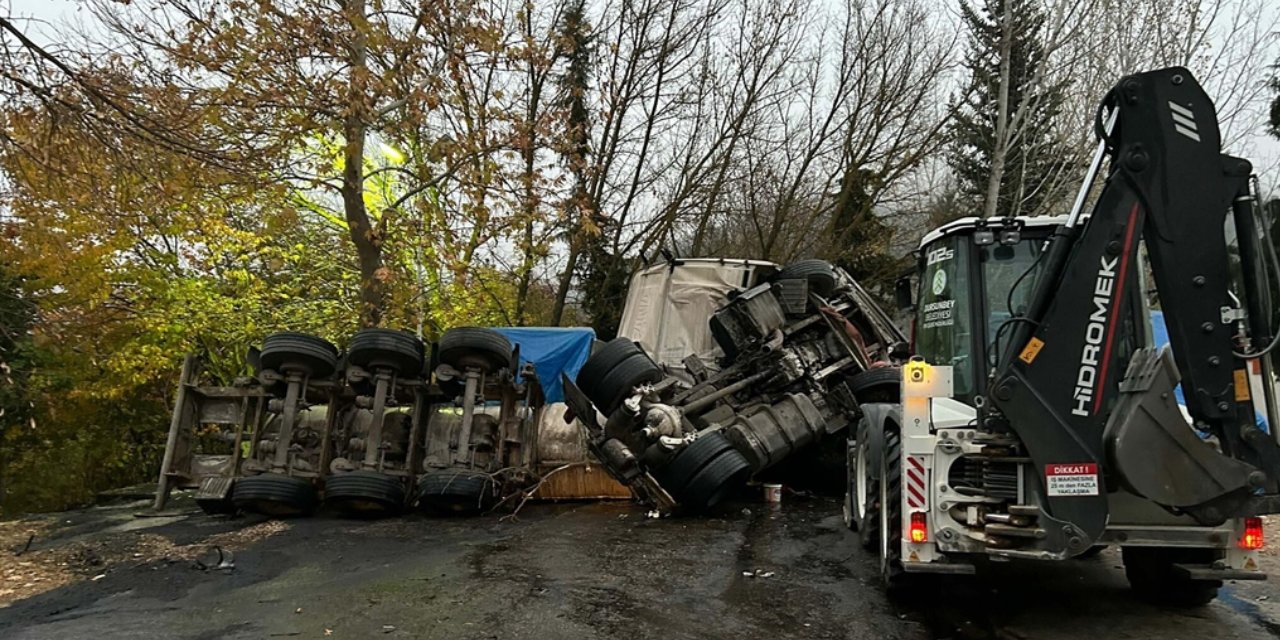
[1252, 538]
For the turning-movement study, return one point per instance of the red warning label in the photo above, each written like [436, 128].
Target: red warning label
[1071, 479]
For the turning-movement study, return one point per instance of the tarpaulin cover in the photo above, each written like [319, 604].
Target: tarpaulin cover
[552, 350]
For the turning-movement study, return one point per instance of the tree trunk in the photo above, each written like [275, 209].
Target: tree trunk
[368, 244]
[1000, 152]
[566, 280]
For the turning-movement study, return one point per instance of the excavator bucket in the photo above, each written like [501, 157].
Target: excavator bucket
[1155, 453]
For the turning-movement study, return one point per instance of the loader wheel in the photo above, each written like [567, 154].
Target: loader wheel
[1153, 577]
[364, 494]
[272, 494]
[819, 274]
[1092, 552]
[608, 376]
[890, 511]
[881, 384]
[467, 347]
[862, 501]
[455, 491]
[289, 352]
[372, 349]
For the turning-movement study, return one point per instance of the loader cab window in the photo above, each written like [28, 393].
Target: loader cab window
[1008, 275]
[944, 317]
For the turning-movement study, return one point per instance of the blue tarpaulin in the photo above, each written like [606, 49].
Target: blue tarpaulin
[552, 350]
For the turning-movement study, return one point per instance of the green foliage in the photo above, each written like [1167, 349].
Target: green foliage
[1034, 154]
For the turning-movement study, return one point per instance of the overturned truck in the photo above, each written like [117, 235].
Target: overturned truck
[792, 354]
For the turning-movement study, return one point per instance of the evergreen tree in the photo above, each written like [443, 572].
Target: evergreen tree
[1273, 124]
[1007, 32]
[576, 44]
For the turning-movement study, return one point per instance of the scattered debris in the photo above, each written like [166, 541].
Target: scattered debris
[49, 566]
[98, 577]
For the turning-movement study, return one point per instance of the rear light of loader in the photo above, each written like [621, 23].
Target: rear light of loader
[1252, 538]
[919, 531]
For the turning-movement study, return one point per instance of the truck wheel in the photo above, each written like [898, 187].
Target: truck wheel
[881, 384]
[455, 491]
[398, 351]
[691, 460]
[710, 486]
[619, 366]
[289, 351]
[819, 274]
[890, 511]
[364, 494]
[1153, 577]
[272, 494]
[477, 347]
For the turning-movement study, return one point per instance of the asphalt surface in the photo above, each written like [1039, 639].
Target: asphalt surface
[593, 571]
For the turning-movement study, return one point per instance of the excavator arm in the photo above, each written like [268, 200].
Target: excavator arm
[1060, 386]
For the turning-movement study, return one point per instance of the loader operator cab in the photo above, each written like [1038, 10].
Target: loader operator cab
[974, 275]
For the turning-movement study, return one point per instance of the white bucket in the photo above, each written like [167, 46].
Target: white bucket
[773, 493]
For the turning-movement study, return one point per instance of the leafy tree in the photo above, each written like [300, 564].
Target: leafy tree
[1005, 152]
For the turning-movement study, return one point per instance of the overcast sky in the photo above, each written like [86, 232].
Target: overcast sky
[1262, 149]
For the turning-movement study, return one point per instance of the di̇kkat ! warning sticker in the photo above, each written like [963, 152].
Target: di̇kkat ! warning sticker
[1072, 479]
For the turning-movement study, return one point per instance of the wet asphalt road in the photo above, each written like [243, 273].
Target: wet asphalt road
[601, 571]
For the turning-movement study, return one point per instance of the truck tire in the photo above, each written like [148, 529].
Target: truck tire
[690, 460]
[455, 491]
[364, 494]
[711, 485]
[881, 384]
[484, 349]
[819, 273]
[890, 511]
[609, 375]
[604, 357]
[1153, 577]
[289, 352]
[272, 494]
[401, 352]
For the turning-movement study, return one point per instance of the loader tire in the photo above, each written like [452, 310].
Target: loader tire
[608, 377]
[455, 492]
[819, 274]
[711, 485]
[881, 384]
[272, 494]
[292, 352]
[475, 347]
[1153, 576]
[861, 503]
[372, 349]
[890, 511]
[364, 494]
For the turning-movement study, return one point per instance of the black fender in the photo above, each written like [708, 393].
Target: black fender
[874, 417]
